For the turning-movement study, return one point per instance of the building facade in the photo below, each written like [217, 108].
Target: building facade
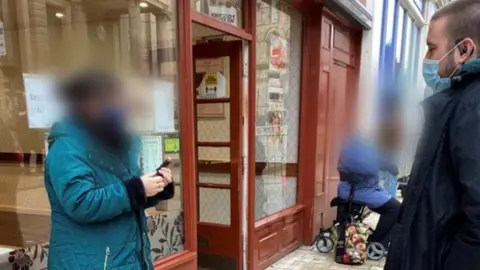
[249, 98]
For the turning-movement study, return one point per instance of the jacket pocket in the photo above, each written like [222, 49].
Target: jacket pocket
[121, 255]
[462, 255]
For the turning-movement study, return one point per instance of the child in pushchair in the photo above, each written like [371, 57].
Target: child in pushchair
[359, 166]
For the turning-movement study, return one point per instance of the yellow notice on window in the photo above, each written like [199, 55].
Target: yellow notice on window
[172, 145]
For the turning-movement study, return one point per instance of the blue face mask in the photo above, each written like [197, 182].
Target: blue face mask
[114, 119]
[431, 76]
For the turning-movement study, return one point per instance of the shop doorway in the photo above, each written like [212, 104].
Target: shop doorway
[218, 138]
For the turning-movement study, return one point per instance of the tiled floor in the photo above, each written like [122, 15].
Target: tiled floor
[308, 258]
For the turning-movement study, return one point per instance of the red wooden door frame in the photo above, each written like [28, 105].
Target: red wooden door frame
[330, 175]
[225, 240]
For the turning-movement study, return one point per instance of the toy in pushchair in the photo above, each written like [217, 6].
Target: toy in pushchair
[349, 212]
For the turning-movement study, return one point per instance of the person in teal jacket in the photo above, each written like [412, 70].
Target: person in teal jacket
[97, 194]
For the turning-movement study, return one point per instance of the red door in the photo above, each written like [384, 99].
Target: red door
[339, 77]
[218, 82]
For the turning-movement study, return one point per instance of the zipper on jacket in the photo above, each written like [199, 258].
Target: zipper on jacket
[144, 251]
[107, 253]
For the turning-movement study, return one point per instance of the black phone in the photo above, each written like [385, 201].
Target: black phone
[165, 164]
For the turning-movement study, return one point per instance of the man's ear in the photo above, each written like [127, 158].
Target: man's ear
[467, 49]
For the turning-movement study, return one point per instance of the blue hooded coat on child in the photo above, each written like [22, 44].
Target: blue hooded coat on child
[361, 160]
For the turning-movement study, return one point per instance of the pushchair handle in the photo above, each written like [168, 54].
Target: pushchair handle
[350, 198]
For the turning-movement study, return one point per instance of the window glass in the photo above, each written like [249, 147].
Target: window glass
[389, 12]
[279, 54]
[41, 39]
[416, 70]
[387, 50]
[227, 11]
[405, 48]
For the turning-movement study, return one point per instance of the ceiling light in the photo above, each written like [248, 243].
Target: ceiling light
[59, 15]
[143, 5]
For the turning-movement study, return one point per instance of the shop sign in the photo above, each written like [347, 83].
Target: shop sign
[224, 14]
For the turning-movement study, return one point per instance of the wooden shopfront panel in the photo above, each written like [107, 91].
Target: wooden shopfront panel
[277, 214]
[339, 60]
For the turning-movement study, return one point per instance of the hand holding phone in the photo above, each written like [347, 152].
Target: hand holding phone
[165, 164]
[164, 171]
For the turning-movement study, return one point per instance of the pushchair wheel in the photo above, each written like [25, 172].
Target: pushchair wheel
[375, 251]
[324, 244]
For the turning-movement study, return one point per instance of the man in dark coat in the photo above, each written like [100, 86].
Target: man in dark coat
[439, 223]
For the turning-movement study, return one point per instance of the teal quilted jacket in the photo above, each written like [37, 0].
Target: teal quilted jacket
[94, 223]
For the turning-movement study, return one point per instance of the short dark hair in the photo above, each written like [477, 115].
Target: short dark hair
[86, 84]
[463, 20]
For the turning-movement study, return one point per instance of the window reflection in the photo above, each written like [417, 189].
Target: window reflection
[226, 11]
[47, 38]
[279, 40]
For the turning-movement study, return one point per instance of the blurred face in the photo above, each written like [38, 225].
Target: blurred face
[109, 104]
[445, 50]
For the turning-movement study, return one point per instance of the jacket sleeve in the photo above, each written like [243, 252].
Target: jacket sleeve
[465, 142]
[75, 188]
[167, 193]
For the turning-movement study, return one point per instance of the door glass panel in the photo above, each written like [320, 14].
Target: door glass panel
[214, 165]
[213, 122]
[212, 77]
[213, 155]
[214, 205]
[226, 11]
[214, 178]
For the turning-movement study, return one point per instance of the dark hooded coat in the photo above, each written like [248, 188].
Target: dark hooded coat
[439, 223]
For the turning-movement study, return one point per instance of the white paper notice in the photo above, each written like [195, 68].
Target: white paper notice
[152, 153]
[42, 107]
[164, 106]
[213, 86]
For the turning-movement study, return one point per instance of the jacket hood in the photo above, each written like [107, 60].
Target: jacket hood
[62, 129]
[471, 66]
[468, 72]
[359, 157]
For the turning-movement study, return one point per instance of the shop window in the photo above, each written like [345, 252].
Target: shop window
[226, 11]
[41, 39]
[279, 51]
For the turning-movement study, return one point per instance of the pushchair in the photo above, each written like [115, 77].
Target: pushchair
[347, 211]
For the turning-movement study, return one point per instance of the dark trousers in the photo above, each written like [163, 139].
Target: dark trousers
[388, 217]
